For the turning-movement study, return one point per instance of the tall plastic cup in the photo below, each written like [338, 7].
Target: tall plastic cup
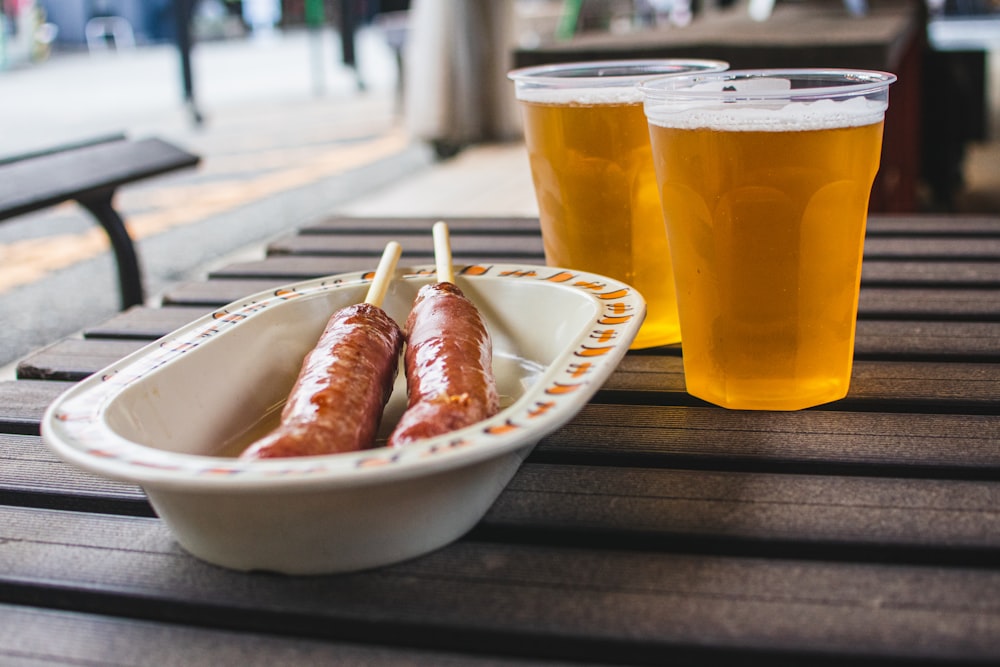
[588, 147]
[764, 178]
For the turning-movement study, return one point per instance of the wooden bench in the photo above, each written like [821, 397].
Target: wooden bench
[89, 173]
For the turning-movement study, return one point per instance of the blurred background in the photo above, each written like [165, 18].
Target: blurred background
[300, 107]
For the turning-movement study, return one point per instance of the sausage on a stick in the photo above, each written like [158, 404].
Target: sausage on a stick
[448, 359]
[337, 401]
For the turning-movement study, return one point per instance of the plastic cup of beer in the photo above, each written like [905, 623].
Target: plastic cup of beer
[764, 179]
[588, 148]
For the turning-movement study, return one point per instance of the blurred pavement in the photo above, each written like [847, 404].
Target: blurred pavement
[287, 138]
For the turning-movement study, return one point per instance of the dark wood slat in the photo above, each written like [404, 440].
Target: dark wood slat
[664, 436]
[927, 341]
[144, 323]
[514, 246]
[981, 305]
[291, 268]
[217, 293]
[504, 599]
[333, 238]
[879, 273]
[878, 225]
[875, 303]
[511, 246]
[23, 403]
[32, 475]
[875, 273]
[36, 637]
[933, 225]
[933, 249]
[73, 359]
[654, 501]
[877, 512]
[875, 385]
[392, 226]
[876, 339]
[806, 440]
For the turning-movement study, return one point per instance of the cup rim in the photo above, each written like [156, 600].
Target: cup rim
[560, 74]
[677, 86]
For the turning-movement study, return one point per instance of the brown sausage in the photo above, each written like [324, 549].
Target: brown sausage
[449, 366]
[337, 401]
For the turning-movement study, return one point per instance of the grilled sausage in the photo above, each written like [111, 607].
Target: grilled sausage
[337, 401]
[449, 366]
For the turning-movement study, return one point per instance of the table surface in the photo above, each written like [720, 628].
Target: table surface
[652, 528]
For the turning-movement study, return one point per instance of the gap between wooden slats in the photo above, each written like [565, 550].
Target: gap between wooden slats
[508, 600]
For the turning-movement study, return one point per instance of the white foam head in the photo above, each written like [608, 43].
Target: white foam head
[627, 94]
[768, 100]
[767, 117]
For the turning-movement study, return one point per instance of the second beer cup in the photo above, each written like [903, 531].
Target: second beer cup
[588, 147]
[765, 178]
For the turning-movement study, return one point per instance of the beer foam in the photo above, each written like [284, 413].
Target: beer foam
[767, 117]
[589, 96]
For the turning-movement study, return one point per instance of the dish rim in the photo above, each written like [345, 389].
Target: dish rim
[74, 425]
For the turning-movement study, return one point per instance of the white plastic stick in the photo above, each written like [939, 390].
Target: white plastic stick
[442, 253]
[383, 274]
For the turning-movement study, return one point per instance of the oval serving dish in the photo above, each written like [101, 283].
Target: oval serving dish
[164, 417]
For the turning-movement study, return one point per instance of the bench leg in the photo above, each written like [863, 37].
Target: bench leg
[129, 276]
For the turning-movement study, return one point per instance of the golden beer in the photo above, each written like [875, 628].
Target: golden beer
[766, 219]
[598, 202]
[588, 147]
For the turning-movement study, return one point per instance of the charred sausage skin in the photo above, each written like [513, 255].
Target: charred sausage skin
[337, 401]
[449, 366]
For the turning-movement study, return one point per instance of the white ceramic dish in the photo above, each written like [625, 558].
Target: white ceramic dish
[161, 417]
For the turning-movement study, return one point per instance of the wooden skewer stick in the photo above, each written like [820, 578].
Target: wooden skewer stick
[383, 274]
[442, 253]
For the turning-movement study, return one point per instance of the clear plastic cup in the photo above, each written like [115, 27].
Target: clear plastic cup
[764, 178]
[588, 146]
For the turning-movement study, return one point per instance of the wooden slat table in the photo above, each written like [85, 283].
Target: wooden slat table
[652, 529]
